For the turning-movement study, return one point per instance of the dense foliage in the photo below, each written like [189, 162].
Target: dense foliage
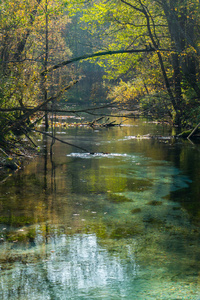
[31, 39]
[167, 80]
[162, 78]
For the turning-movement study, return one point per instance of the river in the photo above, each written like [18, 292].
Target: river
[122, 223]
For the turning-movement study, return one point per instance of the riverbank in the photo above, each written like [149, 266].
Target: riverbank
[9, 164]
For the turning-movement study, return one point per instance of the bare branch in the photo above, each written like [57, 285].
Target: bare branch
[97, 54]
[61, 141]
[56, 110]
[39, 107]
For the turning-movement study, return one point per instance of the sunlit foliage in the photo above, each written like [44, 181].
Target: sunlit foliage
[26, 28]
[171, 27]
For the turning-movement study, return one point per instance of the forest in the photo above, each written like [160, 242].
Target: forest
[134, 54]
[99, 149]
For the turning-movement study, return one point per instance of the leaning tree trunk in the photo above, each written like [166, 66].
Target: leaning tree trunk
[46, 62]
[143, 9]
[181, 30]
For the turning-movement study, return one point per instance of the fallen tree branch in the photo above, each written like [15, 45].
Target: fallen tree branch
[61, 141]
[86, 110]
[193, 131]
[55, 110]
[12, 164]
[39, 107]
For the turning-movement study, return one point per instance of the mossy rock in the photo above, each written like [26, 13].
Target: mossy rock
[153, 221]
[116, 198]
[99, 229]
[154, 203]
[176, 208]
[136, 210]
[22, 236]
[124, 232]
[17, 221]
[138, 185]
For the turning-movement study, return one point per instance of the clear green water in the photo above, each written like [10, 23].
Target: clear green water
[121, 225]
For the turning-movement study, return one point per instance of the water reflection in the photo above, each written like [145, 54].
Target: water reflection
[70, 268]
[118, 224]
[97, 155]
[77, 267]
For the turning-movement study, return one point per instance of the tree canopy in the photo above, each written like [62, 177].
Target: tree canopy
[147, 51]
[170, 78]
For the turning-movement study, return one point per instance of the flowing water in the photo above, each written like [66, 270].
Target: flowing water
[122, 223]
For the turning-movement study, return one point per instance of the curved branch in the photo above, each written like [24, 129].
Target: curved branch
[57, 110]
[103, 53]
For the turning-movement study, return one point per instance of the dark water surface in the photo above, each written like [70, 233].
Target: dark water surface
[119, 225]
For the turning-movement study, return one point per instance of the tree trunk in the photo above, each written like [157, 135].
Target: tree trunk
[46, 62]
[181, 29]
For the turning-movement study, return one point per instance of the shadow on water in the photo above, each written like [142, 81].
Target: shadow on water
[121, 225]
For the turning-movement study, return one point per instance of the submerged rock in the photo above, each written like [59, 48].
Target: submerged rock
[136, 210]
[154, 202]
[116, 198]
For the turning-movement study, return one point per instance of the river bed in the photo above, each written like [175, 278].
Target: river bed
[122, 223]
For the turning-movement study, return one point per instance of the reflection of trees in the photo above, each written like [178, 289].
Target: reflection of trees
[52, 192]
[74, 266]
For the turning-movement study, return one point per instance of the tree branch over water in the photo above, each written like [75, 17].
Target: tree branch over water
[97, 54]
[61, 141]
[29, 113]
[55, 110]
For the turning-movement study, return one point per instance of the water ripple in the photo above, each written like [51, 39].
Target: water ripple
[99, 155]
